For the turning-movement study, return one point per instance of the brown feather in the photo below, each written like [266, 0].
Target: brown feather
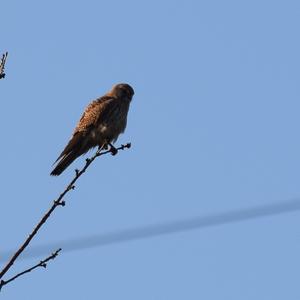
[64, 163]
[102, 122]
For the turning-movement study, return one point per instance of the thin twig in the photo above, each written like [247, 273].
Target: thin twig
[2, 65]
[59, 202]
[42, 263]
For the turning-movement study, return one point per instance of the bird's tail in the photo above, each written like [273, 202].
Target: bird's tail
[64, 162]
[75, 148]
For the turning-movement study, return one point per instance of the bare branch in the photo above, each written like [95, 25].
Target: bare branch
[2, 65]
[59, 202]
[42, 263]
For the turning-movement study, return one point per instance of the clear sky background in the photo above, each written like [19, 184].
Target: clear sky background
[214, 127]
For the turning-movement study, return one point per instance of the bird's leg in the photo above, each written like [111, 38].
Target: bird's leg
[101, 147]
[112, 149]
[105, 145]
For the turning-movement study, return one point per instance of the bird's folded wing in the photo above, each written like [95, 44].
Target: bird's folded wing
[96, 113]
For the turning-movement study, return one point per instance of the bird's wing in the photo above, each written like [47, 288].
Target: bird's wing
[94, 113]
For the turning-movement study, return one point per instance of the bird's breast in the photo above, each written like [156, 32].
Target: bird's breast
[102, 129]
[114, 124]
[100, 132]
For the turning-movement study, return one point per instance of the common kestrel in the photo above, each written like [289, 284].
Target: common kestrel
[102, 122]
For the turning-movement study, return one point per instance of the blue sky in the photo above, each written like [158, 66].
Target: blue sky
[214, 127]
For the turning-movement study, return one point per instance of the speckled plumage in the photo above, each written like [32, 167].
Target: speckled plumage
[102, 122]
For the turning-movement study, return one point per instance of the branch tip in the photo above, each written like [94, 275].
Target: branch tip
[2, 65]
[42, 263]
[128, 145]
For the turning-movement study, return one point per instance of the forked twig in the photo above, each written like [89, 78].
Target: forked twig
[59, 202]
[42, 263]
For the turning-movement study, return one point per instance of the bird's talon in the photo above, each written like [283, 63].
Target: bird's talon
[113, 151]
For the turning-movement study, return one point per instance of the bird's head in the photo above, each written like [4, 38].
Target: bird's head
[122, 90]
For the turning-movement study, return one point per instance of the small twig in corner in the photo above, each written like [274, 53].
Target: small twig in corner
[2, 65]
[42, 263]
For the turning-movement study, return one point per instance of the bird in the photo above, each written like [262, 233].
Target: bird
[103, 120]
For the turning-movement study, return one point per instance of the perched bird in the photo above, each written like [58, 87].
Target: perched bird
[102, 122]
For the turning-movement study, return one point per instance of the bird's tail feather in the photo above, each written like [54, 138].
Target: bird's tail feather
[72, 145]
[64, 163]
[75, 148]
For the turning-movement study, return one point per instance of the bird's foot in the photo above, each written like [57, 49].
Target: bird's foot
[113, 149]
